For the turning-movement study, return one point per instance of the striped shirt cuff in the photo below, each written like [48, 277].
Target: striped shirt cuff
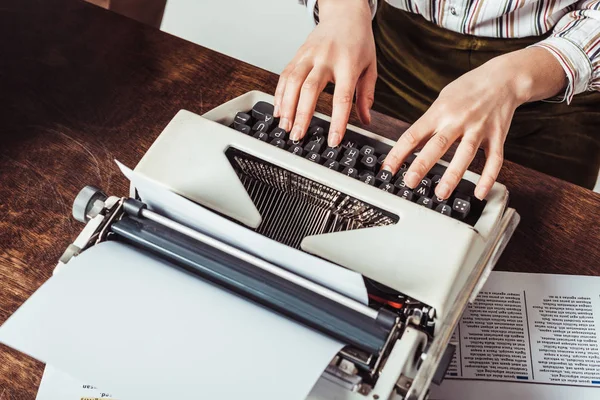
[575, 62]
[313, 9]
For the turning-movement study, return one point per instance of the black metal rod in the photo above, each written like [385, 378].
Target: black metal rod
[239, 276]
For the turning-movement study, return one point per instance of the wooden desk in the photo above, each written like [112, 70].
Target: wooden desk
[80, 86]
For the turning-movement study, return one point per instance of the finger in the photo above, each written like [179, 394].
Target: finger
[311, 88]
[493, 164]
[280, 89]
[410, 139]
[435, 148]
[365, 93]
[291, 93]
[342, 105]
[460, 162]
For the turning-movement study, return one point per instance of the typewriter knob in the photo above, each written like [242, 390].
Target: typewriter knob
[88, 203]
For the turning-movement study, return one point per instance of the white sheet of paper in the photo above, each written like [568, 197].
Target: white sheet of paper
[160, 199]
[141, 329]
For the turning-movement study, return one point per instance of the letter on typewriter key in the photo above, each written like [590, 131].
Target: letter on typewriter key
[461, 207]
[388, 187]
[332, 164]
[278, 133]
[369, 162]
[425, 201]
[241, 119]
[315, 144]
[435, 181]
[351, 172]
[260, 135]
[348, 161]
[367, 151]
[444, 209]
[262, 110]
[368, 178]
[296, 149]
[352, 152]
[406, 194]
[260, 126]
[245, 129]
[399, 184]
[437, 201]
[314, 157]
[384, 176]
[331, 153]
[349, 144]
[278, 143]
[424, 187]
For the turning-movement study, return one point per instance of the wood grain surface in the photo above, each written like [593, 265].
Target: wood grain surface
[80, 87]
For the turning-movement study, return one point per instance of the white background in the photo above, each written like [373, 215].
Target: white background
[265, 33]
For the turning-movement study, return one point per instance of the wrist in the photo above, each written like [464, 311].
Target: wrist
[533, 74]
[336, 8]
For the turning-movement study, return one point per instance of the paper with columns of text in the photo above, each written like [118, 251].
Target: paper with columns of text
[142, 329]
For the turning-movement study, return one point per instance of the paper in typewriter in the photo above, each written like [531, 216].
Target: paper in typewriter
[140, 329]
[160, 199]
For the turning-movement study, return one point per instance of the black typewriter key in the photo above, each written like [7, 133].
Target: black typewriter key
[314, 157]
[278, 143]
[296, 149]
[260, 126]
[262, 111]
[245, 129]
[367, 151]
[369, 162]
[260, 135]
[388, 187]
[424, 187]
[461, 208]
[425, 202]
[331, 153]
[300, 142]
[437, 201]
[466, 187]
[383, 176]
[399, 183]
[315, 144]
[332, 164]
[347, 161]
[367, 177]
[278, 133]
[406, 194]
[380, 160]
[349, 144]
[351, 172]
[351, 152]
[435, 181]
[241, 118]
[437, 169]
[316, 130]
[444, 209]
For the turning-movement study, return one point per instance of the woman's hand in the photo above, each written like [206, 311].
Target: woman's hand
[341, 49]
[476, 109]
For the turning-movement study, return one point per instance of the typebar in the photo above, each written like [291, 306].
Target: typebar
[242, 278]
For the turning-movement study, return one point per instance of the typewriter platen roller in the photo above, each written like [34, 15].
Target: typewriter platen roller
[421, 264]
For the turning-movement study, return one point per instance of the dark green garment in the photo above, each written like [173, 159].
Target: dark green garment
[417, 58]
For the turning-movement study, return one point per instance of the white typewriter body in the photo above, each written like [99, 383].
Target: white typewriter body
[437, 260]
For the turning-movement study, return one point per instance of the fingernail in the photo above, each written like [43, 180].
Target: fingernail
[276, 111]
[296, 133]
[333, 139]
[411, 179]
[480, 192]
[369, 118]
[386, 168]
[443, 190]
[284, 124]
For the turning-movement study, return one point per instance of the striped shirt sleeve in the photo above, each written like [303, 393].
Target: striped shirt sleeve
[575, 42]
[312, 7]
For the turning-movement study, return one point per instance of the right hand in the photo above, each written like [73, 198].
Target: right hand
[341, 49]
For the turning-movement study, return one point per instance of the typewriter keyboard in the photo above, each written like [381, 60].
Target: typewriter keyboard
[360, 157]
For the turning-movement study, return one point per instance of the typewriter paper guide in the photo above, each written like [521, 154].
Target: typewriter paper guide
[164, 334]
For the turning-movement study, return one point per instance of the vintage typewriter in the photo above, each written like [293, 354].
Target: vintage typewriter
[422, 259]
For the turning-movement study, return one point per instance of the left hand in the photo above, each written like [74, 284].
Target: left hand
[476, 109]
